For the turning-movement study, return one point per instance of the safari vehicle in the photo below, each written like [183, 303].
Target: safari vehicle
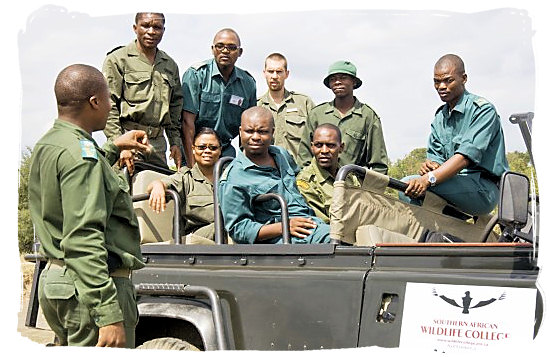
[394, 275]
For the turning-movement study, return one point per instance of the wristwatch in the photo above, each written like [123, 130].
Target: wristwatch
[431, 178]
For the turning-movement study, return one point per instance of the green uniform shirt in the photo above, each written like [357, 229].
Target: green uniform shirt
[81, 210]
[361, 133]
[472, 129]
[218, 105]
[142, 93]
[317, 186]
[197, 195]
[290, 118]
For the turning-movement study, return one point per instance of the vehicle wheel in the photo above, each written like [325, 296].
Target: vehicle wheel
[167, 343]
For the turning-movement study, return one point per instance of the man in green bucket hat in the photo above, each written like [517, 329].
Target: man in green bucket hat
[360, 126]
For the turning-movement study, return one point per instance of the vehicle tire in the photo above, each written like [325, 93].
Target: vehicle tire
[167, 343]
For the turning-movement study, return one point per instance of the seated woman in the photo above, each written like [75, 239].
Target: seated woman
[195, 188]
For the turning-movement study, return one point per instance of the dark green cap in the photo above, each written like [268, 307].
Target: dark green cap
[345, 67]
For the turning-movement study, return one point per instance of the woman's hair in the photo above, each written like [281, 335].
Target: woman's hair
[207, 131]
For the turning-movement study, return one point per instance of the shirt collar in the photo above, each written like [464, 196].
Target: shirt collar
[133, 51]
[216, 71]
[323, 174]
[63, 124]
[355, 109]
[248, 164]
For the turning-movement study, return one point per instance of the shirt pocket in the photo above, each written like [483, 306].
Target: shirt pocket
[167, 87]
[209, 107]
[201, 207]
[355, 143]
[295, 125]
[270, 207]
[136, 87]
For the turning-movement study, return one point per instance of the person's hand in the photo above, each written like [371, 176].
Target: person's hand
[428, 166]
[300, 226]
[157, 197]
[417, 187]
[133, 140]
[127, 159]
[175, 154]
[112, 336]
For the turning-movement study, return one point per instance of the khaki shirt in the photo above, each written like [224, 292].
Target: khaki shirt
[361, 133]
[149, 95]
[317, 186]
[82, 212]
[197, 195]
[290, 118]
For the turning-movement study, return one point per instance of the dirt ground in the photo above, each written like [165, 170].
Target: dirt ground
[41, 333]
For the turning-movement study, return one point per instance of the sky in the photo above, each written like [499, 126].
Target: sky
[394, 45]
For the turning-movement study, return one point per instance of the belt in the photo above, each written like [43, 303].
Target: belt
[152, 131]
[117, 273]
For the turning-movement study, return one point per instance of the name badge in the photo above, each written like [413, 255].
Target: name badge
[292, 110]
[236, 100]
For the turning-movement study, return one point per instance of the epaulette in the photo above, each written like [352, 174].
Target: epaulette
[113, 50]
[480, 101]
[199, 64]
[88, 150]
[439, 109]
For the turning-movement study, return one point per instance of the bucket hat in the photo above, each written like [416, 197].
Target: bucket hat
[345, 67]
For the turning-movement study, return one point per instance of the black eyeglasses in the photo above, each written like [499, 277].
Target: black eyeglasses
[203, 147]
[230, 48]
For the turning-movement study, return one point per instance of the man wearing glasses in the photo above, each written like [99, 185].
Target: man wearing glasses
[360, 125]
[215, 93]
[316, 180]
[145, 92]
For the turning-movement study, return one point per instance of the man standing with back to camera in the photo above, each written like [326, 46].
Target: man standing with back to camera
[215, 93]
[145, 92]
[84, 218]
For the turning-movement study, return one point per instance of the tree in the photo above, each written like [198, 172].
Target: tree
[25, 229]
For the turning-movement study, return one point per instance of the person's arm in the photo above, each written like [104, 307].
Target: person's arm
[188, 135]
[418, 186]
[376, 155]
[304, 152]
[114, 76]
[173, 132]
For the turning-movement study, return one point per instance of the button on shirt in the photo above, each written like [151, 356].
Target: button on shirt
[243, 180]
[218, 105]
[473, 129]
[81, 210]
[361, 133]
[290, 118]
[197, 196]
[146, 94]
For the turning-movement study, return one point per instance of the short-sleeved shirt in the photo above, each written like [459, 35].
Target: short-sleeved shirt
[149, 95]
[317, 186]
[243, 180]
[82, 212]
[472, 129]
[218, 105]
[361, 133]
[290, 118]
[197, 195]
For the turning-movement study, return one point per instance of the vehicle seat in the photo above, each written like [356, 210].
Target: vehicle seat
[153, 227]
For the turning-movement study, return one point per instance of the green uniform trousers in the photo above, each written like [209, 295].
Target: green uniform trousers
[69, 319]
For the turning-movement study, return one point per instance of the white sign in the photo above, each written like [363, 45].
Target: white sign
[463, 318]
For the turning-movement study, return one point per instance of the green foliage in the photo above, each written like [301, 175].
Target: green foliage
[25, 229]
[521, 162]
[409, 165]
